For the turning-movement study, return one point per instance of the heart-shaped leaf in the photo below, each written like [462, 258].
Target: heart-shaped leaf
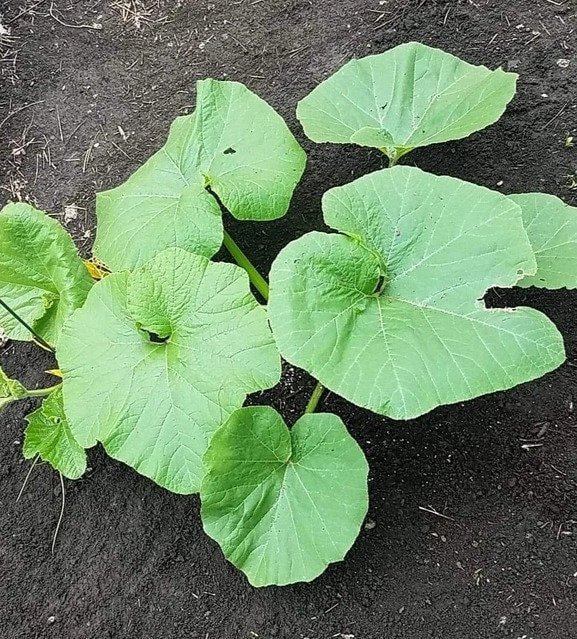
[552, 229]
[156, 360]
[409, 96]
[234, 143]
[390, 315]
[283, 504]
[42, 277]
[48, 435]
[10, 390]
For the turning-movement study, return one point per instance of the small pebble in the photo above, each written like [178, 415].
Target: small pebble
[563, 63]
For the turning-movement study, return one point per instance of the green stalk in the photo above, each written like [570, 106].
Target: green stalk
[261, 286]
[17, 317]
[42, 392]
[315, 398]
[241, 259]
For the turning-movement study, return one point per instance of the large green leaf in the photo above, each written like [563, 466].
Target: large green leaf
[42, 278]
[48, 434]
[409, 96]
[10, 390]
[234, 143]
[390, 315]
[155, 404]
[552, 229]
[283, 504]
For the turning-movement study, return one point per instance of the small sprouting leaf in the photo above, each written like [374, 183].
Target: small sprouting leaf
[234, 143]
[10, 390]
[552, 229]
[283, 504]
[390, 314]
[409, 96]
[42, 277]
[48, 435]
[156, 360]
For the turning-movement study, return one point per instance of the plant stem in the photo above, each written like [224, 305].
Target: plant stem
[315, 397]
[392, 160]
[17, 317]
[241, 259]
[261, 286]
[42, 392]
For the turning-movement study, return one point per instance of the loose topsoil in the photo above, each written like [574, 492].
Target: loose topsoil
[473, 518]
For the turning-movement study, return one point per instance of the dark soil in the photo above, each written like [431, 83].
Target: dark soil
[132, 561]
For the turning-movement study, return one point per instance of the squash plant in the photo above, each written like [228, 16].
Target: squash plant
[158, 355]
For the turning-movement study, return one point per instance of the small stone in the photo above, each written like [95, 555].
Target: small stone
[369, 524]
[563, 63]
[51, 620]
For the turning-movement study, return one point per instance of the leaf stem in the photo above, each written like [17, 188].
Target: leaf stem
[242, 260]
[262, 287]
[17, 317]
[41, 392]
[393, 160]
[315, 397]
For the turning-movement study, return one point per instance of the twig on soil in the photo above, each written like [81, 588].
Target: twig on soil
[556, 116]
[121, 150]
[557, 470]
[95, 26]
[34, 462]
[88, 154]
[432, 511]
[26, 11]
[331, 608]
[59, 123]
[73, 132]
[61, 512]
[13, 113]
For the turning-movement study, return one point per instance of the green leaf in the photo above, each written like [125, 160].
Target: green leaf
[42, 278]
[409, 96]
[155, 404]
[48, 434]
[283, 504]
[234, 143]
[390, 315]
[552, 229]
[10, 390]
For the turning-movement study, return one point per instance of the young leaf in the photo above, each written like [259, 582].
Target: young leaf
[42, 278]
[48, 435]
[10, 390]
[552, 229]
[283, 504]
[155, 361]
[409, 96]
[390, 315]
[234, 143]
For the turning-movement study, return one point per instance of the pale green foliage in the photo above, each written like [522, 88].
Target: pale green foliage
[410, 96]
[42, 278]
[156, 405]
[420, 336]
[10, 390]
[283, 504]
[552, 229]
[48, 435]
[234, 143]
